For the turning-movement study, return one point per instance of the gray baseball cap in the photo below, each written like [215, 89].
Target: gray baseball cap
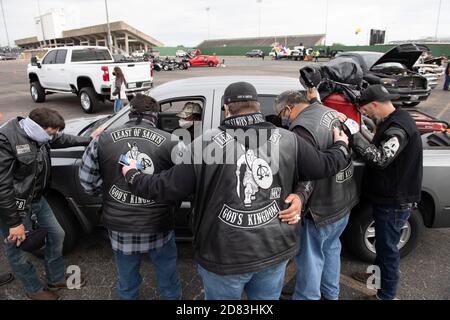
[189, 109]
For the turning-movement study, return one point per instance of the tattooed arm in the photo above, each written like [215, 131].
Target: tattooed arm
[381, 156]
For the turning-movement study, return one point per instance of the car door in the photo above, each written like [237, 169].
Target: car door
[60, 74]
[47, 67]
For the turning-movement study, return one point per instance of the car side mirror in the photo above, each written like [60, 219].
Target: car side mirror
[35, 62]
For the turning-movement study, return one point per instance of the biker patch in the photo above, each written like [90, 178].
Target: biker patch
[127, 197]
[249, 219]
[138, 133]
[258, 174]
[141, 158]
[21, 204]
[345, 174]
[222, 139]
[328, 119]
[23, 148]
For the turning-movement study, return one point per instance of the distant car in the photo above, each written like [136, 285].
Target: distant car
[394, 70]
[203, 60]
[254, 53]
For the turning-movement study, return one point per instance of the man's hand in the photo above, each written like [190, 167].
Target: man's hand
[342, 117]
[17, 234]
[339, 135]
[312, 94]
[97, 132]
[132, 165]
[292, 214]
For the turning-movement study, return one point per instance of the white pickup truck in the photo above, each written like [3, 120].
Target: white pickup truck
[85, 71]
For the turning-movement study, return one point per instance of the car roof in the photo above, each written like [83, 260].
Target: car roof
[80, 47]
[360, 52]
[263, 84]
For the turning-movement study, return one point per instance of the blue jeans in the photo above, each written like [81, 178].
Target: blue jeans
[447, 82]
[165, 261]
[389, 220]
[118, 105]
[263, 285]
[319, 261]
[54, 263]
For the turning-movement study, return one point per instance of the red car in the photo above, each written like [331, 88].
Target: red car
[202, 60]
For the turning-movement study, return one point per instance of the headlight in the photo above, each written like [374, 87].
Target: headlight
[388, 82]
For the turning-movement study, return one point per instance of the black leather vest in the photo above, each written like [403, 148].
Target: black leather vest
[123, 211]
[332, 197]
[235, 221]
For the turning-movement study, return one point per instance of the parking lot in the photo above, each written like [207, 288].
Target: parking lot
[425, 273]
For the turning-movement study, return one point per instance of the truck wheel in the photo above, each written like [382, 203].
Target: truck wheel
[66, 220]
[410, 104]
[88, 99]
[37, 92]
[359, 236]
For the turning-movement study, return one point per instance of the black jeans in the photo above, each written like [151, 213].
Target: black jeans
[389, 221]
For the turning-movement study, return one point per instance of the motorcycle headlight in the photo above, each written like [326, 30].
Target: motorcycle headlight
[388, 82]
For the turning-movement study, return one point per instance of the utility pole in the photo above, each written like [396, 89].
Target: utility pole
[437, 20]
[259, 17]
[4, 21]
[42, 23]
[207, 12]
[109, 28]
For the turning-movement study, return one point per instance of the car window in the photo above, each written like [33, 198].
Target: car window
[90, 54]
[61, 56]
[50, 58]
[371, 58]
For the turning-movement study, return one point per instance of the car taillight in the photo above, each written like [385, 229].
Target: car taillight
[105, 73]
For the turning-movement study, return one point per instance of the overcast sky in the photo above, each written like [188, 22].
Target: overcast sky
[181, 22]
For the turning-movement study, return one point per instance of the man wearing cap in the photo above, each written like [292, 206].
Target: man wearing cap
[392, 179]
[242, 175]
[136, 225]
[25, 175]
[330, 201]
[190, 118]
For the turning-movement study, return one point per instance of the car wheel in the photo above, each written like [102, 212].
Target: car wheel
[66, 220]
[166, 68]
[407, 104]
[37, 92]
[88, 100]
[360, 238]
[211, 64]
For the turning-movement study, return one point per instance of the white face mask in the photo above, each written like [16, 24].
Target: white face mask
[185, 124]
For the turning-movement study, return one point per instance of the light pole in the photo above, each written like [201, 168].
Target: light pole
[4, 21]
[326, 24]
[437, 20]
[207, 12]
[259, 17]
[109, 28]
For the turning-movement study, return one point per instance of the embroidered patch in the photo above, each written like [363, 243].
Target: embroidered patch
[23, 148]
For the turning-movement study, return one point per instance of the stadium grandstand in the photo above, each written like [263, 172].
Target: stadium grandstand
[288, 41]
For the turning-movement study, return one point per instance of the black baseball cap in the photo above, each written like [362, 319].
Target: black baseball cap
[239, 92]
[378, 93]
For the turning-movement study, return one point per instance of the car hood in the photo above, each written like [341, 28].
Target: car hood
[75, 126]
[406, 54]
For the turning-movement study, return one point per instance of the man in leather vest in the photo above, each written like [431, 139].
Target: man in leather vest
[241, 173]
[25, 171]
[392, 180]
[327, 211]
[136, 225]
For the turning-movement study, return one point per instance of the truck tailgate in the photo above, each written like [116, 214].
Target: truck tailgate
[137, 74]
